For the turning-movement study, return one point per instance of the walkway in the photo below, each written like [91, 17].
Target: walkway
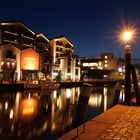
[118, 123]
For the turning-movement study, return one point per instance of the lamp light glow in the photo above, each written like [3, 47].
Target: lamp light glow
[127, 36]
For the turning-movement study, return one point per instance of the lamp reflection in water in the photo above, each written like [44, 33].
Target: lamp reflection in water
[68, 93]
[28, 108]
[11, 114]
[54, 94]
[6, 105]
[105, 98]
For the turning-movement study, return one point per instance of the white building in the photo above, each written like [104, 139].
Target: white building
[65, 66]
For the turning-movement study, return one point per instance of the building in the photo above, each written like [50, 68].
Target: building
[108, 61]
[65, 65]
[45, 59]
[32, 56]
[106, 67]
[20, 51]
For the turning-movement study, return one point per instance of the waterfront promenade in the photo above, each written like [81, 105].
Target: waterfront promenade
[118, 123]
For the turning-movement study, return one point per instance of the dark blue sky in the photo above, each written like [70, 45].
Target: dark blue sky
[91, 25]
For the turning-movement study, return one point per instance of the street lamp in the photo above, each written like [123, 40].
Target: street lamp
[127, 36]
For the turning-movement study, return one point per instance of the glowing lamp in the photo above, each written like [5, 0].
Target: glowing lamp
[127, 36]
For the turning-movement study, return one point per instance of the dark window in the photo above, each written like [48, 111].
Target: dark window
[68, 62]
[9, 54]
[68, 70]
[76, 72]
[58, 61]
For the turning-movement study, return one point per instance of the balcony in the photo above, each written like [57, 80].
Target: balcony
[11, 33]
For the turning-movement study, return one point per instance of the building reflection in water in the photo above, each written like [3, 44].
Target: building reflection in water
[32, 113]
[99, 99]
[105, 98]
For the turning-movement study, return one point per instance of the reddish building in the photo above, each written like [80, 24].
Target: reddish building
[21, 51]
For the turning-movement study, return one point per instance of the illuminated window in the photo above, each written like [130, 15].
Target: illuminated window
[8, 65]
[93, 64]
[120, 69]
[85, 64]
[13, 64]
[2, 63]
[105, 57]
[105, 65]
[105, 76]
[105, 61]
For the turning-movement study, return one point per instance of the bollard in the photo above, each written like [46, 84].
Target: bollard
[118, 88]
[136, 87]
[83, 101]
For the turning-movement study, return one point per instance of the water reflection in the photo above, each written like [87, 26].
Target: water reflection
[105, 98]
[39, 114]
[95, 100]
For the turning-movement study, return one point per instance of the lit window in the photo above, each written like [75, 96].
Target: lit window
[105, 57]
[120, 69]
[8, 65]
[85, 64]
[105, 61]
[105, 65]
[13, 64]
[105, 76]
[2, 63]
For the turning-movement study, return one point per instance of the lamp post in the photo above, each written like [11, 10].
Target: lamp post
[127, 36]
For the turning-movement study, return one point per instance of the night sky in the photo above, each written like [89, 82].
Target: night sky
[92, 26]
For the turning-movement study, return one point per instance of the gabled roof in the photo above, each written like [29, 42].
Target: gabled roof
[65, 39]
[17, 23]
[42, 35]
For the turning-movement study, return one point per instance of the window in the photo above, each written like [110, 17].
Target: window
[105, 61]
[68, 62]
[58, 61]
[76, 71]
[8, 65]
[105, 65]
[2, 65]
[85, 64]
[9, 54]
[106, 57]
[68, 70]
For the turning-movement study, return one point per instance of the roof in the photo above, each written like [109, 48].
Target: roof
[42, 35]
[63, 38]
[17, 22]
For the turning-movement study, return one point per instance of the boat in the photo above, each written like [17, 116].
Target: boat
[48, 84]
[32, 85]
[42, 84]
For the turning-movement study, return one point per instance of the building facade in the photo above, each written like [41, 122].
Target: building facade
[106, 67]
[65, 66]
[21, 51]
[32, 55]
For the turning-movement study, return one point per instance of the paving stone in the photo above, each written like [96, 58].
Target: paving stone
[127, 126]
[132, 138]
